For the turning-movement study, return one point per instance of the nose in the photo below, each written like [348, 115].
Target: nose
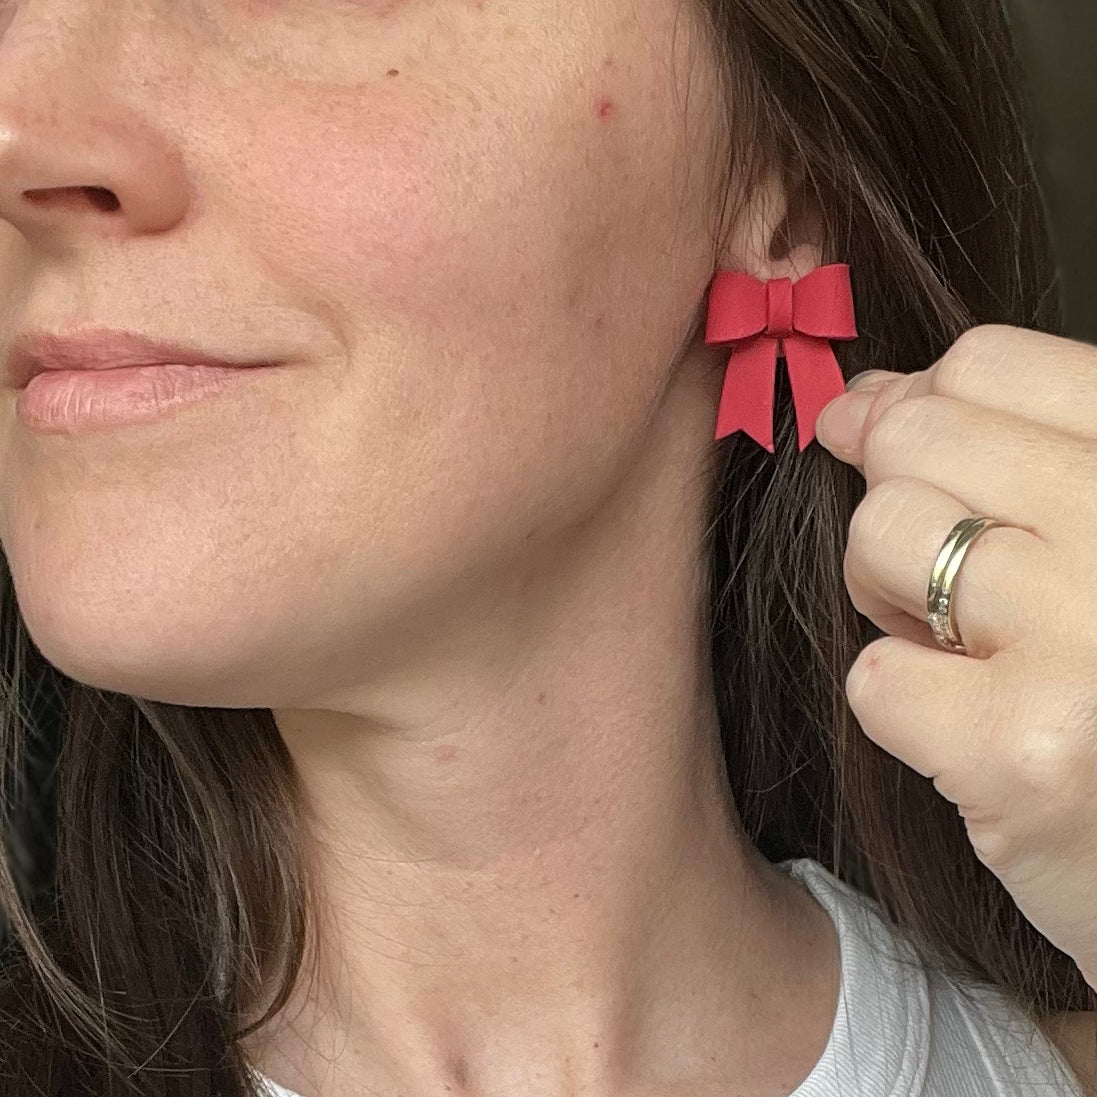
[77, 158]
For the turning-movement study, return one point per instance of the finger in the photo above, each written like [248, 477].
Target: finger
[895, 535]
[921, 705]
[1048, 379]
[994, 463]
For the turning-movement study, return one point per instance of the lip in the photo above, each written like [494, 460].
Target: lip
[78, 402]
[38, 351]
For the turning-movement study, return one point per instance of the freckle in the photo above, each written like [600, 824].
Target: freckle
[600, 322]
[605, 107]
[595, 1043]
[445, 752]
[607, 63]
[541, 698]
[393, 72]
[576, 895]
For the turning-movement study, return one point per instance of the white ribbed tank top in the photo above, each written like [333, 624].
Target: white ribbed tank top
[901, 1029]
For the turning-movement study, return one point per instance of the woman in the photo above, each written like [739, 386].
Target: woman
[441, 711]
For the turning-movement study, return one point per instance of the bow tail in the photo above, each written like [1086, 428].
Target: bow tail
[815, 379]
[746, 402]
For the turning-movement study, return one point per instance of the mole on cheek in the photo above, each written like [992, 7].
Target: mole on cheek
[605, 107]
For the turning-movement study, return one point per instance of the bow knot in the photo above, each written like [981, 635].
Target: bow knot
[762, 318]
[778, 307]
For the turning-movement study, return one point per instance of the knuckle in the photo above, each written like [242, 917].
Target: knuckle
[882, 505]
[1041, 755]
[1044, 751]
[882, 521]
[996, 848]
[896, 426]
[1053, 760]
[870, 663]
[977, 335]
[972, 358]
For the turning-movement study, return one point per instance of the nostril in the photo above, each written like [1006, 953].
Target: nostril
[100, 197]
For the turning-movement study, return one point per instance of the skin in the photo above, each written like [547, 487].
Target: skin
[454, 544]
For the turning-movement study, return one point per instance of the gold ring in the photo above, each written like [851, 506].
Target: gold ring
[941, 581]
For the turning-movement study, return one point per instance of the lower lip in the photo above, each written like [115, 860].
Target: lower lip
[67, 401]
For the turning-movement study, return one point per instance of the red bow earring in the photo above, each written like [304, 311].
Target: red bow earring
[802, 317]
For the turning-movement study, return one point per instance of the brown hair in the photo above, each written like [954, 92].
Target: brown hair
[166, 891]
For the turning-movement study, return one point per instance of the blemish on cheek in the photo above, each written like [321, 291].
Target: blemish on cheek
[393, 72]
[605, 107]
[607, 63]
[445, 752]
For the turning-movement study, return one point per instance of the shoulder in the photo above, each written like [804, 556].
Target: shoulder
[1075, 1035]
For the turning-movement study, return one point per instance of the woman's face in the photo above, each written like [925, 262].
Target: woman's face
[476, 229]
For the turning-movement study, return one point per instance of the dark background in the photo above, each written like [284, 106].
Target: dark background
[1057, 41]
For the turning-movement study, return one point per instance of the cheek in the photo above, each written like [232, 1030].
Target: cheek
[467, 267]
[383, 209]
[491, 232]
[404, 207]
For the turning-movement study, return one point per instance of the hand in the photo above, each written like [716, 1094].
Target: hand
[1004, 425]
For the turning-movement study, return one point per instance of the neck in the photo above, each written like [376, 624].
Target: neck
[531, 865]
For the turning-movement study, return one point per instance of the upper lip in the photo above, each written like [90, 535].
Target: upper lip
[36, 351]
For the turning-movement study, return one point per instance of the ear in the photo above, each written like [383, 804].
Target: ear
[779, 233]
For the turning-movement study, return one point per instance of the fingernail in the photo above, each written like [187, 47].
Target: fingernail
[843, 420]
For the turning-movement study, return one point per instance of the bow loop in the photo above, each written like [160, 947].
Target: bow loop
[762, 317]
